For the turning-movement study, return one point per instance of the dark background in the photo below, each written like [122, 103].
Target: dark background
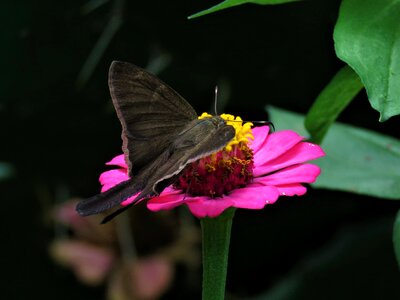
[57, 135]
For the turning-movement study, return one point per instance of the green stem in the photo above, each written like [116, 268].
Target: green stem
[216, 234]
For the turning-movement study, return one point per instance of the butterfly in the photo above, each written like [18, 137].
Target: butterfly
[161, 135]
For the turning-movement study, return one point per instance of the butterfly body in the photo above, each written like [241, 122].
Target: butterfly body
[161, 135]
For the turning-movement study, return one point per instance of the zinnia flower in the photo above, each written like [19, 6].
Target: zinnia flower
[253, 170]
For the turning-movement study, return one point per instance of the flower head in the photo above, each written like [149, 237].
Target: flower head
[253, 170]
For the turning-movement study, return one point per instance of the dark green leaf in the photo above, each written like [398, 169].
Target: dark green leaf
[357, 160]
[333, 99]
[367, 37]
[230, 3]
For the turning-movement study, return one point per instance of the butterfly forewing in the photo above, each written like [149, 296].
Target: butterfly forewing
[151, 113]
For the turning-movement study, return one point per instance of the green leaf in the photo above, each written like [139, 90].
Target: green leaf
[367, 37]
[333, 99]
[396, 237]
[230, 3]
[357, 160]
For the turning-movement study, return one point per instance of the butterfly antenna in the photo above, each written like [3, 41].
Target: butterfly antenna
[269, 123]
[215, 100]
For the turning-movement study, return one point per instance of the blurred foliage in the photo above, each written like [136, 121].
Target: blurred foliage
[55, 134]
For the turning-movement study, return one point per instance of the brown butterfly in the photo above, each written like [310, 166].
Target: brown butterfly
[161, 135]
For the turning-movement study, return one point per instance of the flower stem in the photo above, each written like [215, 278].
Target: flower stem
[216, 233]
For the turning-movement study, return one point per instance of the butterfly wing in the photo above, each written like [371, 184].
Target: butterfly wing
[151, 113]
[199, 140]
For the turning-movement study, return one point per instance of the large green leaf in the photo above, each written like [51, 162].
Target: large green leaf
[357, 160]
[230, 3]
[367, 37]
[334, 98]
[396, 237]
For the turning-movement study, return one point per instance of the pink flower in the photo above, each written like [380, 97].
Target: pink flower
[92, 251]
[273, 165]
[91, 263]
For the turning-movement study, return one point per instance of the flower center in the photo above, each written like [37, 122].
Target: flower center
[223, 171]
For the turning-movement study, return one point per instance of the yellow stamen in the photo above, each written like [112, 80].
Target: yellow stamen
[243, 131]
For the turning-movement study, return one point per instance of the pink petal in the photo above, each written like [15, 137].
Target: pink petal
[306, 173]
[291, 189]
[206, 207]
[119, 161]
[253, 196]
[112, 177]
[277, 143]
[300, 153]
[169, 194]
[129, 200]
[260, 137]
[166, 201]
